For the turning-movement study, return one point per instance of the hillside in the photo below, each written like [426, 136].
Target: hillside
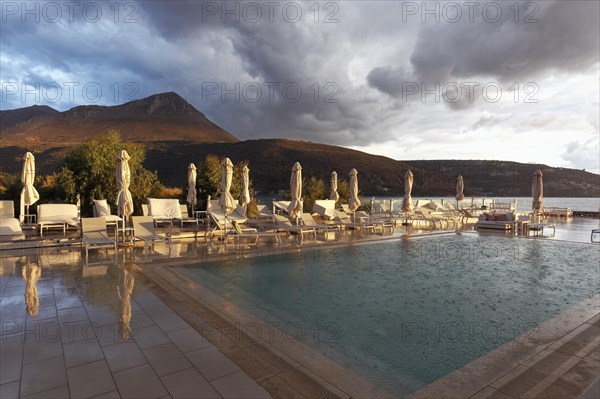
[272, 160]
[13, 117]
[165, 116]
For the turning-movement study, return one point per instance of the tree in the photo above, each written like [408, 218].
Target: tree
[313, 189]
[344, 192]
[209, 179]
[89, 170]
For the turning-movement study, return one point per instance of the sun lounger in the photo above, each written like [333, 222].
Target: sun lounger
[416, 219]
[324, 208]
[102, 209]
[428, 204]
[94, 234]
[218, 218]
[344, 220]
[280, 206]
[381, 209]
[362, 216]
[144, 230]
[364, 221]
[264, 212]
[184, 216]
[57, 215]
[283, 223]
[9, 225]
[309, 221]
[252, 233]
[164, 210]
[436, 217]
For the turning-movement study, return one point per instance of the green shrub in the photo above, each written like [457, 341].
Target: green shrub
[89, 170]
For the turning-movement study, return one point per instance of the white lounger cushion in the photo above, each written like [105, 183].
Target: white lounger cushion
[102, 208]
[9, 226]
[325, 208]
[57, 213]
[324, 212]
[164, 208]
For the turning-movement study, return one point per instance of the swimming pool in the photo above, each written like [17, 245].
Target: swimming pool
[404, 313]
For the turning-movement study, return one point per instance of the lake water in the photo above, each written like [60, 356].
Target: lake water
[523, 203]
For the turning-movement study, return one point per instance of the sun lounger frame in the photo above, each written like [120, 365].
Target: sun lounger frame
[94, 235]
[146, 234]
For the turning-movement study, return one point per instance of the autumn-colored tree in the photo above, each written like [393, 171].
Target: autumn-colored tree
[209, 179]
[89, 170]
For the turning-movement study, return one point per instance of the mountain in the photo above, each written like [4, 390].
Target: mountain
[165, 116]
[15, 116]
[271, 163]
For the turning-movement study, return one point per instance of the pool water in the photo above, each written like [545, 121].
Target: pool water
[405, 313]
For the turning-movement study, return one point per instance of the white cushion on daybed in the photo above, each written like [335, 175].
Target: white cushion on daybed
[57, 213]
[164, 208]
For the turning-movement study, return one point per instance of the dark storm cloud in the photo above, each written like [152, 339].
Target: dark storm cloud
[565, 37]
[546, 36]
[353, 72]
[392, 81]
[276, 51]
[176, 20]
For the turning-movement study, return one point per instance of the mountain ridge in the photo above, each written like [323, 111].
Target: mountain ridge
[163, 116]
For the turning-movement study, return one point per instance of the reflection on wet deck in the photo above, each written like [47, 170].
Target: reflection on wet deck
[71, 329]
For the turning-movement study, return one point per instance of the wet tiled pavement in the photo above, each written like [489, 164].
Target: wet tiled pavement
[107, 336]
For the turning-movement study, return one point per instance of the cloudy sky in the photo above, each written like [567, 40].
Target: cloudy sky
[409, 80]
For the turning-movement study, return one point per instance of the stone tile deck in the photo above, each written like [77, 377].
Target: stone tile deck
[81, 345]
[560, 360]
